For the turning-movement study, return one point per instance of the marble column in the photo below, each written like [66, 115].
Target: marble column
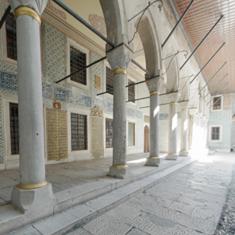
[33, 189]
[119, 59]
[153, 86]
[184, 143]
[172, 132]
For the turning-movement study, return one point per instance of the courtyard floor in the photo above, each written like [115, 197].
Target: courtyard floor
[179, 198]
[189, 201]
[82, 176]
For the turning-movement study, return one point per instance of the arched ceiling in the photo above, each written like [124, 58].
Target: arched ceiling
[197, 22]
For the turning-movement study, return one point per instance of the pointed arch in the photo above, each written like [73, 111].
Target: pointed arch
[115, 20]
[151, 45]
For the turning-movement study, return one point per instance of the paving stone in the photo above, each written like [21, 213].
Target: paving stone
[226, 225]
[27, 231]
[80, 231]
[185, 202]
[106, 225]
[135, 231]
[55, 224]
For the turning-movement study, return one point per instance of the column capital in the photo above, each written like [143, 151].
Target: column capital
[183, 105]
[119, 58]
[153, 82]
[37, 6]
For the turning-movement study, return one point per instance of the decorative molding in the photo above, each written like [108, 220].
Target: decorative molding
[97, 111]
[52, 7]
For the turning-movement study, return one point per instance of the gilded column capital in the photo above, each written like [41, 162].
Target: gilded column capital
[119, 70]
[22, 10]
[30, 7]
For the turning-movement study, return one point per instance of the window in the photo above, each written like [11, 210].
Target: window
[77, 62]
[131, 134]
[217, 103]
[109, 132]
[109, 80]
[78, 132]
[11, 37]
[215, 133]
[131, 91]
[14, 128]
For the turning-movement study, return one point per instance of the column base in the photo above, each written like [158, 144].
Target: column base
[171, 157]
[152, 161]
[117, 171]
[184, 153]
[37, 202]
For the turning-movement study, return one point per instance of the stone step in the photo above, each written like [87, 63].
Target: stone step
[77, 215]
[83, 193]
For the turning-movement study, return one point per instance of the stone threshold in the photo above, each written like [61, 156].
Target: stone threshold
[90, 204]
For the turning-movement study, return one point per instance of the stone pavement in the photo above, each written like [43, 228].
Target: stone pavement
[189, 201]
[65, 176]
[103, 195]
[76, 183]
[226, 225]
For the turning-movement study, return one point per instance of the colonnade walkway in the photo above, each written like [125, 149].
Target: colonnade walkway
[81, 177]
[185, 196]
[189, 201]
[78, 182]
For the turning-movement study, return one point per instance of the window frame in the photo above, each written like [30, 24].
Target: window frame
[80, 154]
[6, 40]
[130, 81]
[134, 134]
[220, 133]
[10, 137]
[106, 65]
[71, 43]
[3, 45]
[87, 132]
[10, 160]
[105, 119]
[212, 104]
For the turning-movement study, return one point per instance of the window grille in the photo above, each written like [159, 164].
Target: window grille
[78, 132]
[14, 128]
[131, 92]
[217, 103]
[215, 133]
[109, 132]
[109, 80]
[78, 62]
[11, 37]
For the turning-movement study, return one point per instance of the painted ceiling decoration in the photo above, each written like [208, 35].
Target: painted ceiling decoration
[98, 23]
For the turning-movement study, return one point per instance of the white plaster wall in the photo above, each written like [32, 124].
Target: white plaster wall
[222, 118]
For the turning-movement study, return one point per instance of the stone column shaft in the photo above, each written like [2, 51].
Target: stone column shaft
[119, 118]
[32, 165]
[33, 193]
[172, 132]
[119, 59]
[153, 159]
[184, 133]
